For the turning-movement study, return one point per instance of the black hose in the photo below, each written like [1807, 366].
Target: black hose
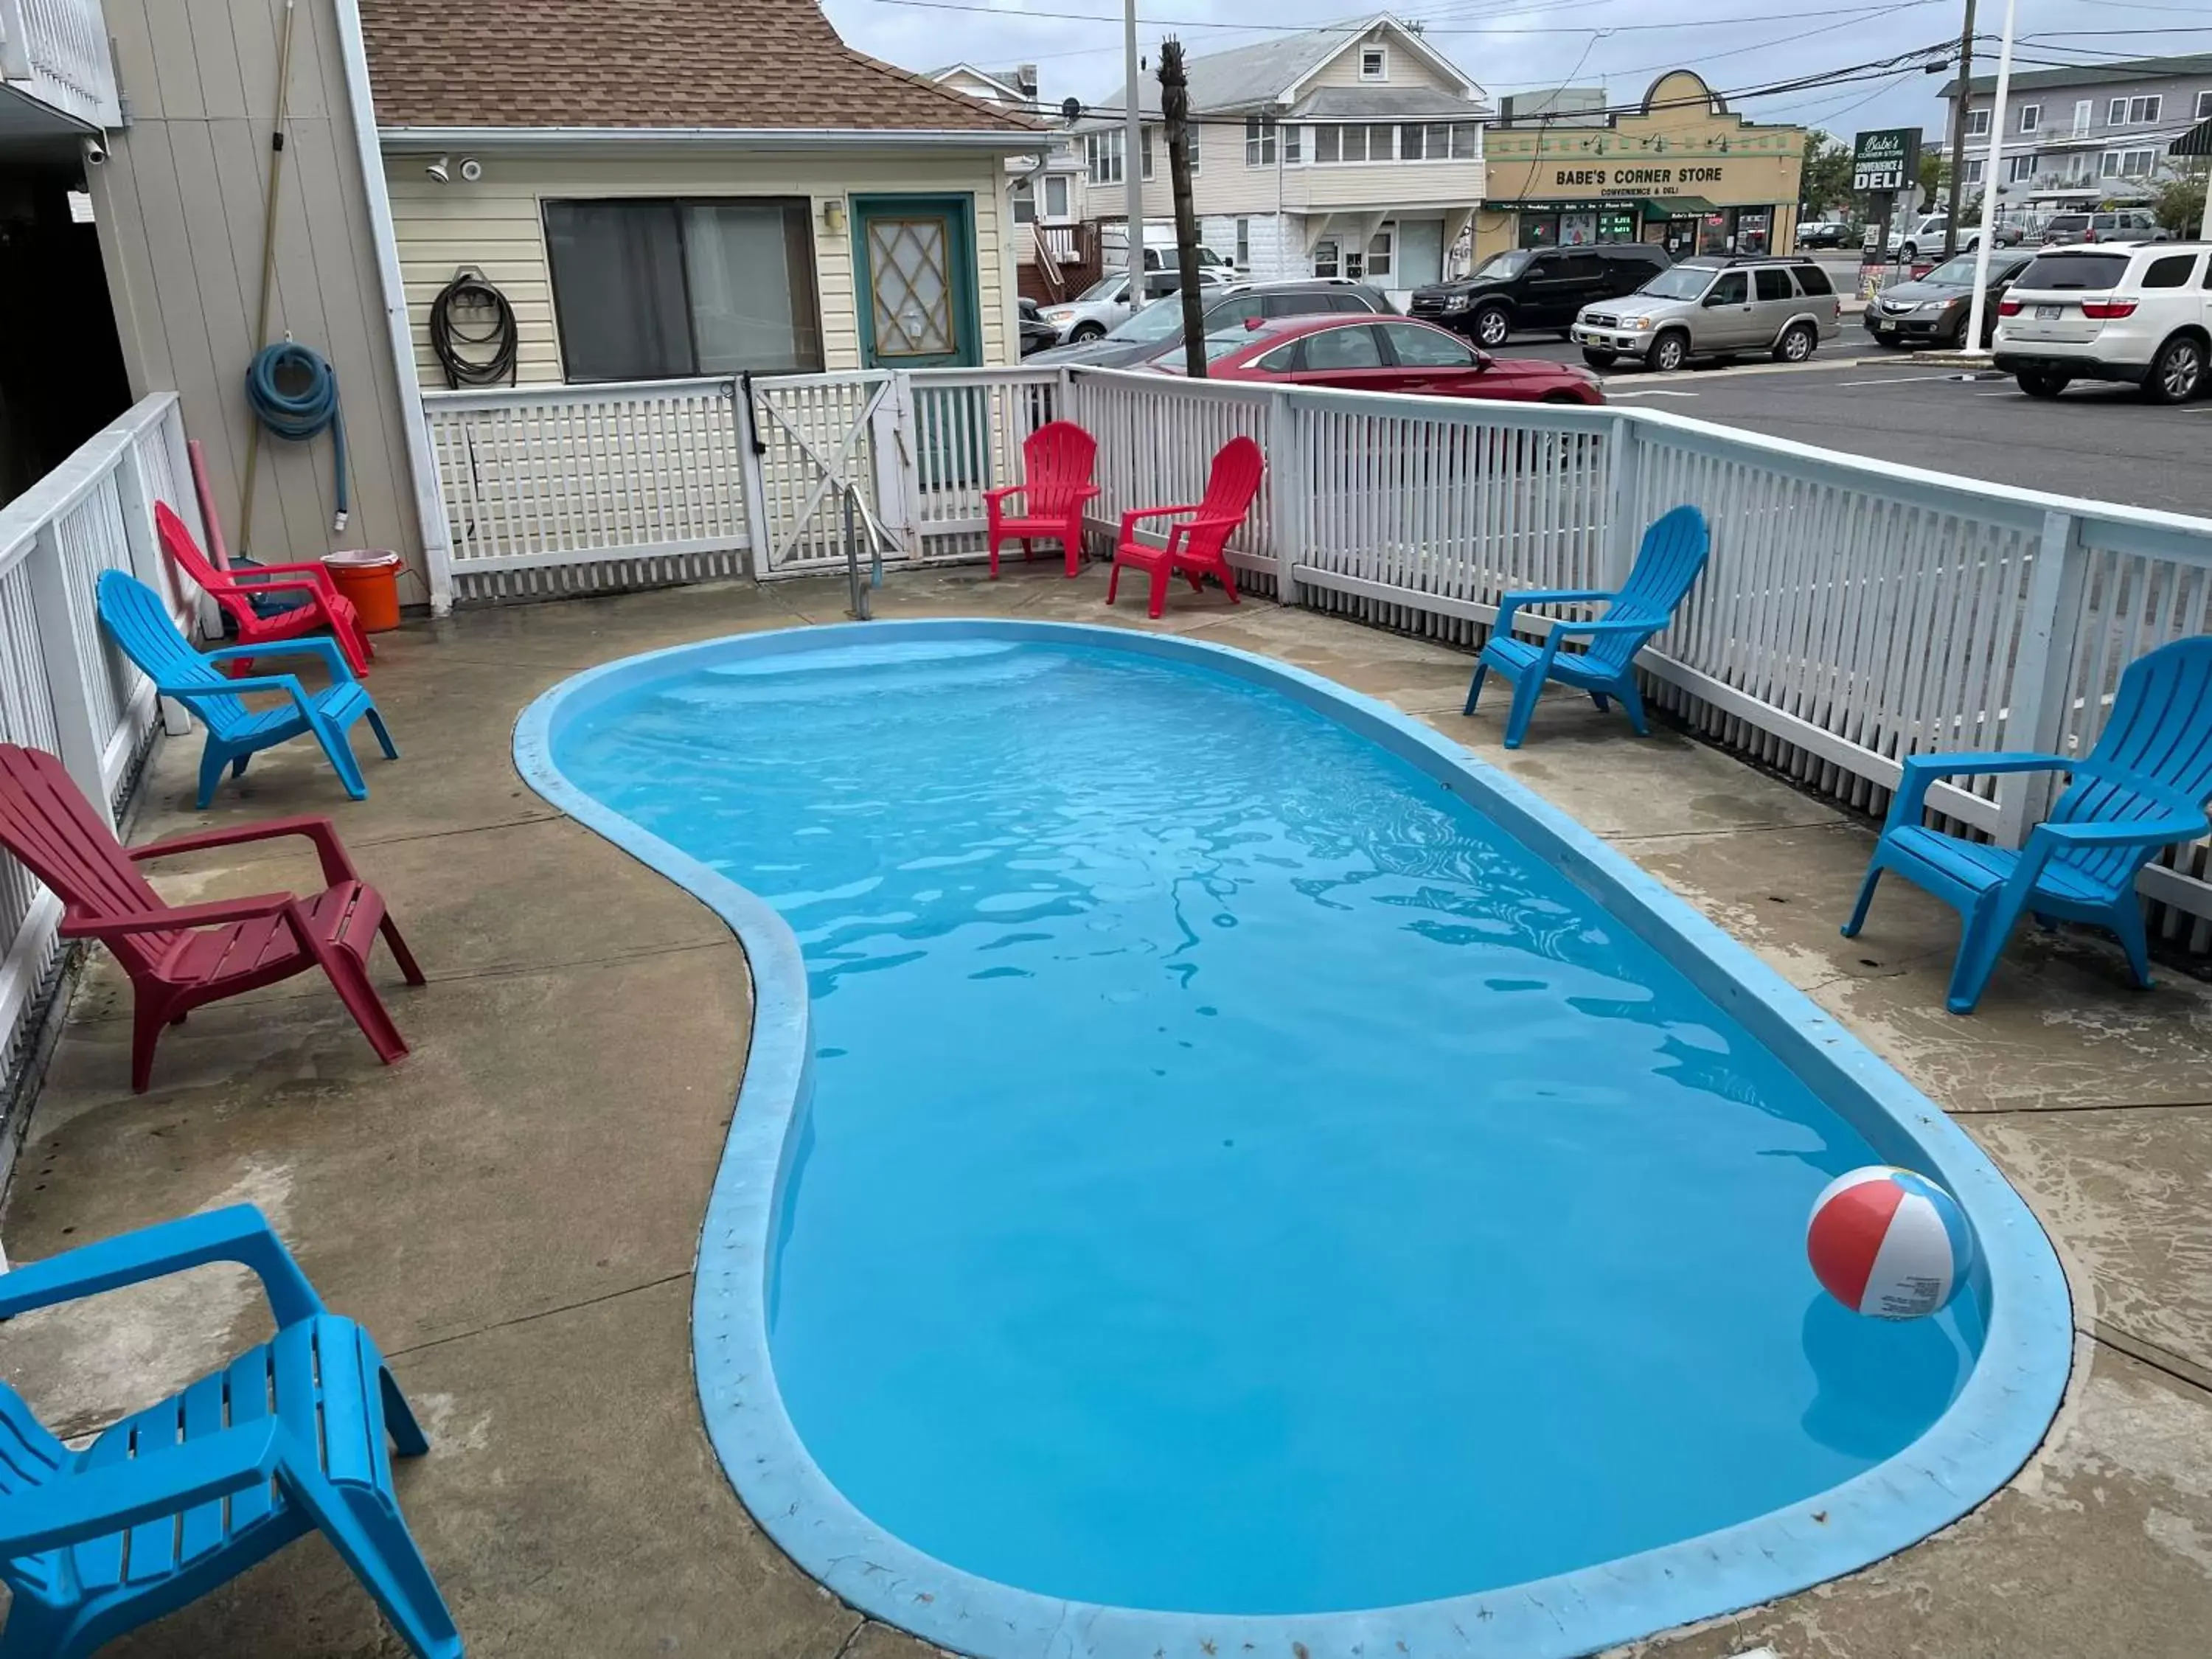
[461, 347]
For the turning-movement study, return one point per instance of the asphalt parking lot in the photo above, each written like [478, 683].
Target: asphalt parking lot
[2098, 441]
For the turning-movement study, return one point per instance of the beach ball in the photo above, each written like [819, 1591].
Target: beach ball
[1888, 1244]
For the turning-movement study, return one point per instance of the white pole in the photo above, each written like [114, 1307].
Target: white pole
[1133, 157]
[1972, 343]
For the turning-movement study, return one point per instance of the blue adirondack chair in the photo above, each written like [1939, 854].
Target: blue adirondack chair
[133, 613]
[1673, 554]
[2143, 787]
[173, 1501]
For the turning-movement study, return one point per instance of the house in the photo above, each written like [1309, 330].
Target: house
[663, 188]
[1678, 169]
[2085, 134]
[1354, 151]
[1057, 254]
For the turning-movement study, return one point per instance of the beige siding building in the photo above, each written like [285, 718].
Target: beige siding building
[1353, 151]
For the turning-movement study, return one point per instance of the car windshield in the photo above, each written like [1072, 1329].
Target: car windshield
[1160, 320]
[1955, 273]
[1503, 265]
[1682, 282]
[1102, 289]
[1218, 345]
[2072, 270]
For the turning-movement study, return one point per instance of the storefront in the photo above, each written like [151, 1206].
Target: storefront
[1680, 171]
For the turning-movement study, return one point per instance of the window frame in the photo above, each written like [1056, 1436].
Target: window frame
[2030, 119]
[1067, 183]
[1335, 260]
[1380, 55]
[2017, 167]
[1384, 326]
[1977, 124]
[678, 206]
[2116, 113]
[2114, 163]
[1105, 156]
[1386, 234]
[2152, 104]
[2187, 262]
[1022, 193]
[1259, 141]
[1244, 244]
[2204, 104]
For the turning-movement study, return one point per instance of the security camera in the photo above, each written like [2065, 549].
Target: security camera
[439, 171]
[94, 151]
[471, 170]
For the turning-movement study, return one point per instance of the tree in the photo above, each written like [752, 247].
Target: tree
[1825, 180]
[2179, 204]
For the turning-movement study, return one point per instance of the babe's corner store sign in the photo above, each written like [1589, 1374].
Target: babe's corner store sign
[1643, 177]
[1886, 160]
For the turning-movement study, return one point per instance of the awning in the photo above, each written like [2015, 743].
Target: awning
[1651, 207]
[2197, 141]
[1676, 207]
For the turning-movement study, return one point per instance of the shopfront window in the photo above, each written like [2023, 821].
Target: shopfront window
[1753, 229]
[1539, 230]
[1616, 225]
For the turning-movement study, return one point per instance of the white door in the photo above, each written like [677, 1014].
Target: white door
[2081, 113]
[1420, 253]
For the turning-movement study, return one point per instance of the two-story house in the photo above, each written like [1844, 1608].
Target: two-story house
[1354, 151]
[2084, 134]
[1055, 253]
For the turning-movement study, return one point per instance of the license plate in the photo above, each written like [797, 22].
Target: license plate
[2048, 313]
[1884, 324]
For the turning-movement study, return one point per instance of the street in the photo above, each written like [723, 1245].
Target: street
[2100, 442]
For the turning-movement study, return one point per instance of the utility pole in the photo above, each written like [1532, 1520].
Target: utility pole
[1175, 110]
[1959, 135]
[1976, 306]
[1133, 156]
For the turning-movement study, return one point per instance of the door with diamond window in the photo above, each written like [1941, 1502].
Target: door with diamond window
[917, 290]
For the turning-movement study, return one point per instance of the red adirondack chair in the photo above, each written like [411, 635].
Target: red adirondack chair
[235, 591]
[1197, 547]
[179, 956]
[1057, 459]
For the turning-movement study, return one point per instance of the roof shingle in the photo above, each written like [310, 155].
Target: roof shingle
[751, 65]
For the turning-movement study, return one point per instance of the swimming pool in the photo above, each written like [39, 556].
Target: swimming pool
[1214, 1166]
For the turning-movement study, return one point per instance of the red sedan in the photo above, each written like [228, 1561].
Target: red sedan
[1368, 353]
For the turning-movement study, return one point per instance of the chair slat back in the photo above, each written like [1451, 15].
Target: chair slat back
[1229, 488]
[2154, 756]
[184, 553]
[1058, 459]
[141, 624]
[1675, 549]
[47, 823]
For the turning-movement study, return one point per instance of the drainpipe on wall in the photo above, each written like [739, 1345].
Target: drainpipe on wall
[437, 549]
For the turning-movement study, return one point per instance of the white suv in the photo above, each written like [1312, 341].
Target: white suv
[2141, 314]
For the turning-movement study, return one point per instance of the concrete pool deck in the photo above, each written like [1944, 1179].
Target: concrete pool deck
[513, 1210]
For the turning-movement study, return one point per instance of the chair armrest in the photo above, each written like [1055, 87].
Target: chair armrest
[1087, 493]
[1563, 627]
[311, 568]
[327, 649]
[337, 865]
[2143, 832]
[82, 1503]
[183, 915]
[1919, 771]
[238, 1233]
[321, 590]
[1508, 603]
[1004, 491]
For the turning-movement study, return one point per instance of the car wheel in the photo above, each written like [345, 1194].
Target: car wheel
[1797, 344]
[1599, 359]
[2177, 373]
[1491, 325]
[2037, 383]
[1670, 352]
[1908, 253]
[1083, 333]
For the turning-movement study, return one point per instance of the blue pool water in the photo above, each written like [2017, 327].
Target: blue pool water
[1239, 1177]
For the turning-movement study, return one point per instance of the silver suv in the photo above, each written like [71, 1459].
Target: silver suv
[1714, 308]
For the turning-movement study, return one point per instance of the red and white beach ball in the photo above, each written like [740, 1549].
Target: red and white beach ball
[1889, 1244]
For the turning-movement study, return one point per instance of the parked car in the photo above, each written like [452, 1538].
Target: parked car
[1535, 288]
[2138, 313]
[1828, 233]
[1932, 310]
[1036, 333]
[2113, 225]
[1158, 326]
[1715, 306]
[1924, 235]
[1105, 303]
[1345, 355]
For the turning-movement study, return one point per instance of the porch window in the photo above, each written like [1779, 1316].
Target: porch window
[2128, 163]
[1439, 141]
[654, 289]
[1346, 144]
[1056, 186]
[1102, 156]
[2017, 167]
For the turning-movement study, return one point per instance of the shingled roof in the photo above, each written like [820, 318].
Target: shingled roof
[748, 64]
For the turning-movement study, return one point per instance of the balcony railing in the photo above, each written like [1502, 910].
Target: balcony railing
[1853, 612]
[56, 51]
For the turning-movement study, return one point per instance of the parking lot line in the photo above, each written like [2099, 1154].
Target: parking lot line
[1898, 379]
[1648, 392]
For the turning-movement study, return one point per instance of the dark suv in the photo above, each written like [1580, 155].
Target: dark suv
[1537, 288]
[1158, 326]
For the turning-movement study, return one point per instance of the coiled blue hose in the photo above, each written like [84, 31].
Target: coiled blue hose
[301, 416]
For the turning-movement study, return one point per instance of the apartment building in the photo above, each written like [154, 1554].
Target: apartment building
[2084, 134]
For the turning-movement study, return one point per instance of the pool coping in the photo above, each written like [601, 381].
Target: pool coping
[1968, 1454]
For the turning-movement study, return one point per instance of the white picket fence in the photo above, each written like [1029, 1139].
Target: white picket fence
[62, 687]
[56, 51]
[1853, 612]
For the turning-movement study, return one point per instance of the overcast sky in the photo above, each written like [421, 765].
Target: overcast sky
[1621, 44]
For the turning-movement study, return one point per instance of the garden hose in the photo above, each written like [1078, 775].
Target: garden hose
[495, 339]
[300, 417]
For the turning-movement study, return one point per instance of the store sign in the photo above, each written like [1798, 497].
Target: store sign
[1886, 160]
[1693, 180]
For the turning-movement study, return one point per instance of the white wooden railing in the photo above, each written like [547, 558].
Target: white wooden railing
[56, 51]
[1853, 612]
[62, 687]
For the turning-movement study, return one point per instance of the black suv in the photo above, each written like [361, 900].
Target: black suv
[1537, 288]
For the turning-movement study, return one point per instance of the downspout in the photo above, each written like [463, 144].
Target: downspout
[429, 511]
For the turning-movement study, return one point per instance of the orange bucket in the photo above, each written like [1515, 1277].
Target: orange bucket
[370, 579]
